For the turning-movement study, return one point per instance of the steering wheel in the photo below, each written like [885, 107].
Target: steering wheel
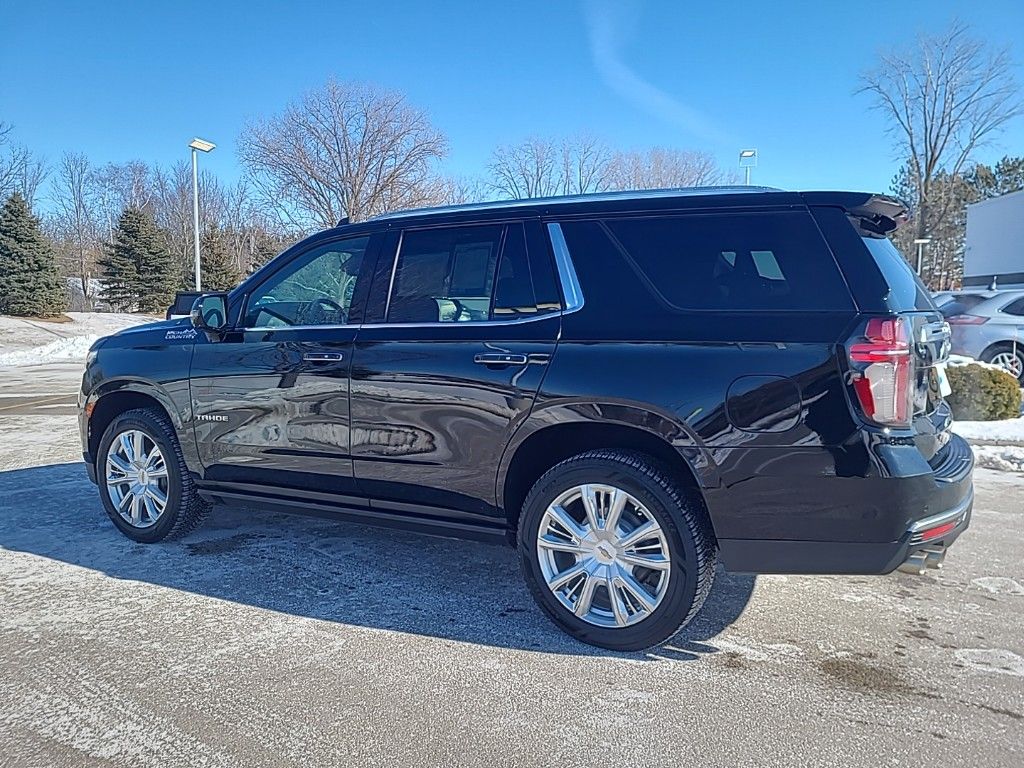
[331, 305]
[459, 309]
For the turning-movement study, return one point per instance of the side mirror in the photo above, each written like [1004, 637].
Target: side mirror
[210, 314]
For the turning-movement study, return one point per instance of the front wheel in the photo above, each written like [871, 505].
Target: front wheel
[145, 486]
[614, 552]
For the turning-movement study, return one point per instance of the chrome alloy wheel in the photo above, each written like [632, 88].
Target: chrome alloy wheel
[603, 555]
[1009, 362]
[136, 477]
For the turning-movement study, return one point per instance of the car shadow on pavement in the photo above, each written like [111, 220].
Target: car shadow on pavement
[332, 571]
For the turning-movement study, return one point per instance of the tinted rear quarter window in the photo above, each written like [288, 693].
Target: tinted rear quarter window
[1015, 308]
[906, 291]
[960, 304]
[733, 262]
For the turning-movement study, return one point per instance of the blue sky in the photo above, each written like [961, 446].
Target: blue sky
[124, 80]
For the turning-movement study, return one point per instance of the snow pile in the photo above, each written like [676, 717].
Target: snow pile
[955, 361]
[1006, 458]
[29, 341]
[67, 348]
[1004, 431]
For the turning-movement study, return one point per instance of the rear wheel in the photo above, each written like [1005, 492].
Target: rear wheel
[145, 486]
[614, 552]
[1007, 356]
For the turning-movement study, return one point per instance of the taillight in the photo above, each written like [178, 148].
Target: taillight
[966, 320]
[883, 371]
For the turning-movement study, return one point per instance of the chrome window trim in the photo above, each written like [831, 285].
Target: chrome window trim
[439, 324]
[464, 323]
[572, 293]
[394, 270]
[294, 327]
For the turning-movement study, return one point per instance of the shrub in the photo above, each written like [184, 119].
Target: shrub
[981, 393]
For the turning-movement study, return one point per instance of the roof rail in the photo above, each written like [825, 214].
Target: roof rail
[634, 194]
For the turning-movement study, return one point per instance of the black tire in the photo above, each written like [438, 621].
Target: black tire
[683, 519]
[185, 509]
[989, 355]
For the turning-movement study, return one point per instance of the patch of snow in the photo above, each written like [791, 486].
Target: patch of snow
[27, 341]
[999, 585]
[955, 361]
[998, 660]
[70, 348]
[1005, 458]
[1006, 430]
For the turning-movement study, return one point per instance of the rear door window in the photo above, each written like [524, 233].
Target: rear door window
[515, 293]
[733, 262]
[455, 275]
[444, 275]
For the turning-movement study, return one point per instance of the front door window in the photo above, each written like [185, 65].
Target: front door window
[316, 289]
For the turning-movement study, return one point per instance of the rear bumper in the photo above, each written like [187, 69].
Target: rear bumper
[837, 557]
[916, 512]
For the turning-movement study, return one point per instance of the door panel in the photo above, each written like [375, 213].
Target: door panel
[271, 399]
[429, 424]
[435, 400]
[271, 407]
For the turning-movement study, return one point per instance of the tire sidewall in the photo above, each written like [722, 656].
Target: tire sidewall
[154, 432]
[682, 587]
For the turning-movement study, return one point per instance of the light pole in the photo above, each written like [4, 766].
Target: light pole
[748, 160]
[920, 242]
[200, 146]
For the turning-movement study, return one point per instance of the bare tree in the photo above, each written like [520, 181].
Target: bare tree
[579, 164]
[662, 168]
[943, 97]
[526, 170]
[343, 150]
[541, 167]
[74, 217]
[119, 186]
[586, 164]
[20, 170]
[461, 190]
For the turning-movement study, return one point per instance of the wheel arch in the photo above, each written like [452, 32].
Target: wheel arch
[117, 396]
[1007, 344]
[558, 432]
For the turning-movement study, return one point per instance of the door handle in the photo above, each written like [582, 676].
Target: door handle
[499, 358]
[322, 357]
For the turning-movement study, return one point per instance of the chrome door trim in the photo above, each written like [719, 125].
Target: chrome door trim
[572, 293]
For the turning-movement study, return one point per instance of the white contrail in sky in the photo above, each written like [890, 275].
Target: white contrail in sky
[610, 25]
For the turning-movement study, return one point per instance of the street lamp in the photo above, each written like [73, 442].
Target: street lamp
[920, 242]
[748, 160]
[201, 146]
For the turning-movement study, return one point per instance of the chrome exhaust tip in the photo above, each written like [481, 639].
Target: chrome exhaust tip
[933, 556]
[916, 563]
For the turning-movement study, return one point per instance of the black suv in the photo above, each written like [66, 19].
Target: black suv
[629, 387]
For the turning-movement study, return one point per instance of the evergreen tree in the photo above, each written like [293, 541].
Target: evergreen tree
[30, 283]
[219, 271]
[1007, 176]
[138, 270]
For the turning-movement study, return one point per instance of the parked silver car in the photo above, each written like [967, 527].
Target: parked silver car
[987, 325]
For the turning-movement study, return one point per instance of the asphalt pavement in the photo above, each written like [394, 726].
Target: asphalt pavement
[264, 640]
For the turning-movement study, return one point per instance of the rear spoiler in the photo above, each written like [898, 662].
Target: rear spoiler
[873, 215]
